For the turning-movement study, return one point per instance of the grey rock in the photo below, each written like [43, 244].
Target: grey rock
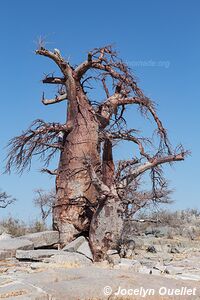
[155, 272]
[130, 254]
[160, 267]
[139, 243]
[150, 231]
[86, 283]
[42, 239]
[112, 252]
[35, 255]
[84, 249]
[126, 263]
[14, 244]
[5, 236]
[163, 231]
[5, 254]
[70, 259]
[174, 250]
[145, 270]
[113, 259]
[151, 249]
[38, 265]
[162, 248]
[160, 231]
[127, 248]
[73, 246]
[22, 291]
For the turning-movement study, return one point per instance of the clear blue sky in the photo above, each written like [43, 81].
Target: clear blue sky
[162, 32]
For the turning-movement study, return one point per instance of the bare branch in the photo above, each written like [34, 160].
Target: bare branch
[54, 172]
[105, 87]
[40, 138]
[53, 80]
[57, 99]
[127, 136]
[57, 58]
[148, 105]
[122, 165]
[104, 59]
[5, 200]
[155, 162]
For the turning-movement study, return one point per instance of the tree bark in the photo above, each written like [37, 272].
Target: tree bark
[106, 227]
[107, 222]
[76, 196]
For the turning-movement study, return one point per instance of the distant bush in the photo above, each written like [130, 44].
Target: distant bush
[13, 226]
[16, 227]
[37, 226]
[184, 223]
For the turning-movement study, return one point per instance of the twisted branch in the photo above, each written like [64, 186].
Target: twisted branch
[40, 138]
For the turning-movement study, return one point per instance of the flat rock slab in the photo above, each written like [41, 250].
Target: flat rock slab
[70, 260]
[74, 245]
[36, 255]
[84, 249]
[42, 239]
[95, 283]
[14, 289]
[14, 244]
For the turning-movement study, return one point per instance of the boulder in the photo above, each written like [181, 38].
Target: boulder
[174, 249]
[70, 260]
[74, 245]
[127, 248]
[113, 259]
[150, 230]
[42, 239]
[151, 249]
[84, 249]
[112, 252]
[35, 255]
[14, 244]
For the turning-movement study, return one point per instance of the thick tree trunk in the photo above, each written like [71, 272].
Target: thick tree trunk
[106, 227]
[107, 222]
[76, 196]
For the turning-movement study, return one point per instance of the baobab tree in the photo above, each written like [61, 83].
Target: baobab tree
[90, 188]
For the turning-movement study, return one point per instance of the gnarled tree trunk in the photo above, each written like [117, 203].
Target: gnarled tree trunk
[107, 222]
[76, 196]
